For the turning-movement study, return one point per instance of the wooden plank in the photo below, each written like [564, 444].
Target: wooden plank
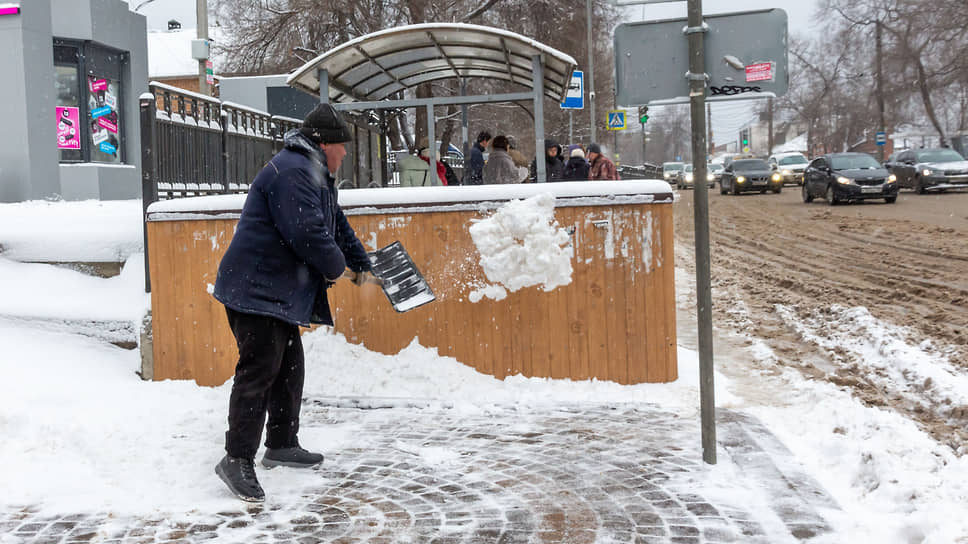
[593, 277]
[575, 301]
[615, 301]
[635, 307]
[670, 368]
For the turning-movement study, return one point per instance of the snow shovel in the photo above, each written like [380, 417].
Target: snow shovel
[402, 283]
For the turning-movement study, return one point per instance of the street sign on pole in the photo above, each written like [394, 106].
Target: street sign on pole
[880, 138]
[616, 120]
[746, 56]
[575, 95]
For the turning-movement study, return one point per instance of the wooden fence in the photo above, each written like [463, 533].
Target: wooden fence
[614, 321]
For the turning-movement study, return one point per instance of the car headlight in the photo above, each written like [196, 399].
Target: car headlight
[787, 172]
[688, 177]
[929, 172]
[844, 181]
[665, 175]
[710, 177]
[892, 178]
[777, 177]
[740, 179]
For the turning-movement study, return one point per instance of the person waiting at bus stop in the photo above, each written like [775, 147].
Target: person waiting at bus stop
[291, 243]
[600, 166]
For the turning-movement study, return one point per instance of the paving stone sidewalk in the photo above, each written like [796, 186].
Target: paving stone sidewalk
[424, 473]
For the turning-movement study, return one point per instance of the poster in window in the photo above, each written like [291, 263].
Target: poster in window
[104, 119]
[68, 125]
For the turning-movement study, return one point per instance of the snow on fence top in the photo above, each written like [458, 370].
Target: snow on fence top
[423, 199]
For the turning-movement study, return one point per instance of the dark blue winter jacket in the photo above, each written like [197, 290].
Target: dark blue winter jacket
[292, 240]
[474, 175]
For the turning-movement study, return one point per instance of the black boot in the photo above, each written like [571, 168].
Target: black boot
[291, 457]
[239, 474]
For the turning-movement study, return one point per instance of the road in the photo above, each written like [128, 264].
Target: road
[798, 277]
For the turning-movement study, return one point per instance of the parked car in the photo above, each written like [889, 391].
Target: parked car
[844, 177]
[671, 171]
[744, 175]
[932, 169]
[790, 166]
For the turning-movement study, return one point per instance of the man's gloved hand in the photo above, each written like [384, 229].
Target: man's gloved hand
[359, 278]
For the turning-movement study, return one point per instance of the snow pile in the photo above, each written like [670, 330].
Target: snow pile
[42, 291]
[521, 245]
[86, 231]
[921, 374]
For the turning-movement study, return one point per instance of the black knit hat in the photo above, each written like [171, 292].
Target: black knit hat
[324, 125]
[594, 148]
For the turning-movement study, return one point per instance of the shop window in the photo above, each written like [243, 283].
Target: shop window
[90, 124]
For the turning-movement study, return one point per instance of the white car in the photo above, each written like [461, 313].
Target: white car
[790, 166]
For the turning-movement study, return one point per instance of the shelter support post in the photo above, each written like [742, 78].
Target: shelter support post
[537, 79]
[323, 75]
[432, 140]
[149, 167]
[465, 142]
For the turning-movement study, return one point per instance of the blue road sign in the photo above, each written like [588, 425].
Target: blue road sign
[880, 138]
[616, 120]
[575, 96]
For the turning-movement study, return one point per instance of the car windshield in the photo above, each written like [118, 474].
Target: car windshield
[854, 162]
[672, 166]
[750, 164]
[796, 159]
[714, 167]
[939, 155]
[688, 168]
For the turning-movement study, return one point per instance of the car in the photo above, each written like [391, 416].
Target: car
[744, 175]
[671, 171]
[688, 178]
[930, 169]
[846, 177]
[716, 170]
[790, 166]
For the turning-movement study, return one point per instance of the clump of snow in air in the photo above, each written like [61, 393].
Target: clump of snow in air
[521, 245]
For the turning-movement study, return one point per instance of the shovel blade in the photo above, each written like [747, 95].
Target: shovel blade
[403, 284]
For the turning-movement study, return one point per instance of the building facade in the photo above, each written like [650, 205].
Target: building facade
[75, 70]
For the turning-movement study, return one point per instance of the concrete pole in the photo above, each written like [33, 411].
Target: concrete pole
[537, 82]
[704, 301]
[201, 26]
[591, 72]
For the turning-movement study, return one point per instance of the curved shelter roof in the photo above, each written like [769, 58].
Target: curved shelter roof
[375, 66]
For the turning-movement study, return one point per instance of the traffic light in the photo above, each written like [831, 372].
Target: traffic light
[643, 114]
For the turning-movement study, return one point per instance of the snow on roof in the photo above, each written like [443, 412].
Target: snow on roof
[796, 145]
[170, 53]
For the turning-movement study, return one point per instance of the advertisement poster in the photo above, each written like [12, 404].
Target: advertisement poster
[104, 119]
[68, 123]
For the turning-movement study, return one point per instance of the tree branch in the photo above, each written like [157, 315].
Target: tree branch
[479, 11]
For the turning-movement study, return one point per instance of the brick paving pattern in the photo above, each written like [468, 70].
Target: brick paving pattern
[428, 474]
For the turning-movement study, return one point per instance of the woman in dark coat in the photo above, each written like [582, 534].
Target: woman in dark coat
[576, 169]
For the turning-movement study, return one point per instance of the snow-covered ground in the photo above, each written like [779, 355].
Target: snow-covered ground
[77, 421]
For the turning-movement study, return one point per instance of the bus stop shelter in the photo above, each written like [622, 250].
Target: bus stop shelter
[371, 73]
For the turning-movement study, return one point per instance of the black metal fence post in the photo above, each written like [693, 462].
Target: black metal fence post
[149, 169]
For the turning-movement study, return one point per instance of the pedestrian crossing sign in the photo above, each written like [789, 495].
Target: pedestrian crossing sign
[616, 120]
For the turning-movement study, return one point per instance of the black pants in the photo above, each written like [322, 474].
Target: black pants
[268, 377]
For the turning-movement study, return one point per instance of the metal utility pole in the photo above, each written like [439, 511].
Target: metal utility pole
[704, 300]
[201, 18]
[880, 86]
[591, 71]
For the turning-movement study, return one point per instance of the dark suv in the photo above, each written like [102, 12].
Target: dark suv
[935, 169]
[843, 177]
[744, 175]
